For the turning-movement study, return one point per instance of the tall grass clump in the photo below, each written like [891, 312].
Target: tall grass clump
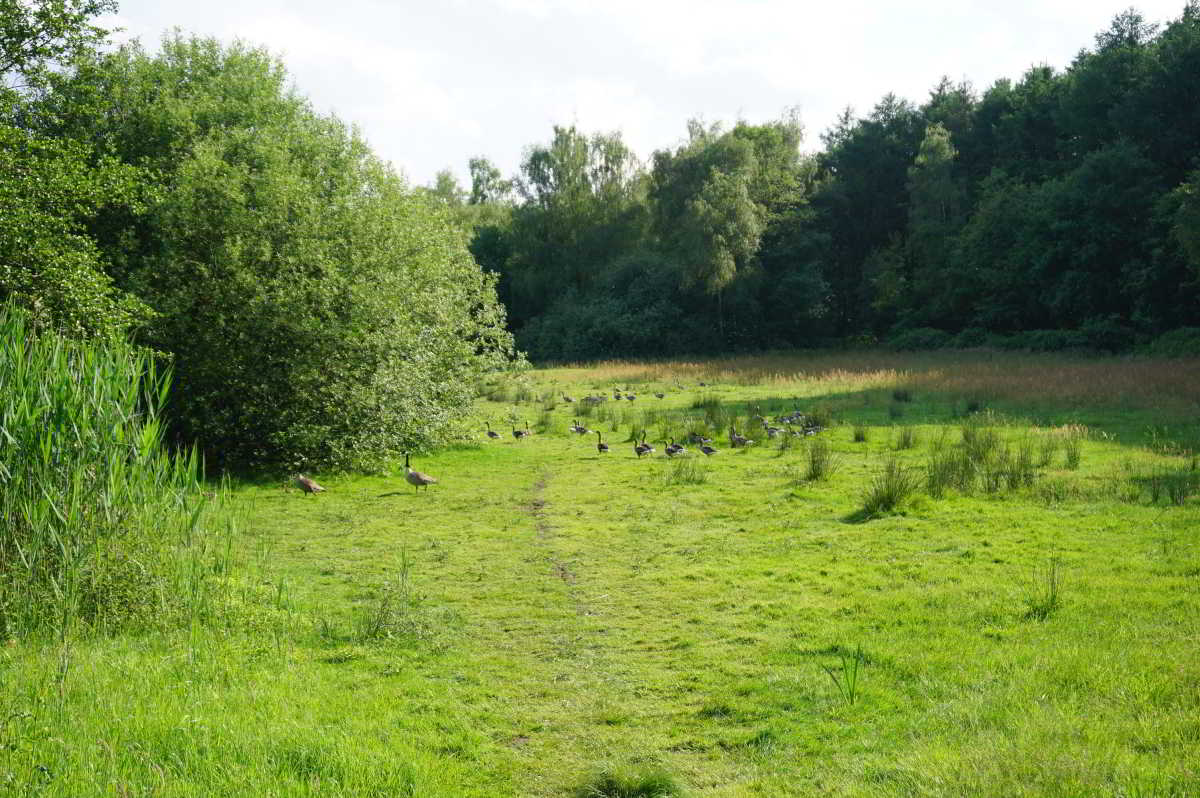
[821, 460]
[1046, 598]
[890, 488]
[100, 527]
[906, 438]
[686, 471]
[1073, 447]
[628, 783]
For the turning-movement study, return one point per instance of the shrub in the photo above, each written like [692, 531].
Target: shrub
[318, 310]
[970, 338]
[920, 338]
[1184, 342]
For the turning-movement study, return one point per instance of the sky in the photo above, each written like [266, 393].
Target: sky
[433, 83]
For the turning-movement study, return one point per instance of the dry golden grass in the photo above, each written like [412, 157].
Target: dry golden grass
[1167, 384]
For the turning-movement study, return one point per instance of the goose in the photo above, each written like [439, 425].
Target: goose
[660, 395]
[307, 485]
[568, 398]
[578, 428]
[642, 448]
[646, 448]
[630, 396]
[521, 433]
[491, 432]
[674, 449]
[736, 440]
[601, 446]
[416, 478]
[708, 450]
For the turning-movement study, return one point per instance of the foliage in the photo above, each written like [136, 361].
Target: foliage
[100, 527]
[1062, 201]
[1184, 342]
[318, 311]
[49, 191]
[37, 34]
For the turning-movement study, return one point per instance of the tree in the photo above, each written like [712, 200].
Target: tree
[318, 310]
[35, 34]
[580, 211]
[49, 191]
[703, 213]
[447, 190]
[935, 213]
[863, 200]
[487, 183]
[1187, 220]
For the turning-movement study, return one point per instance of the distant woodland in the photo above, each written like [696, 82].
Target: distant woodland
[1060, 210]
[316, 308]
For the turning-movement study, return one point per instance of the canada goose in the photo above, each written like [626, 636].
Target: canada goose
[601, 446]
[521, 433]
[491, 432]
[630, 396]
[708, 450]
[416, 478]
[307, 485]
[568, 398]
[582, 430]
[674, 449]
[736, 439]
[616, 393]
[642, 447]
[660, 395]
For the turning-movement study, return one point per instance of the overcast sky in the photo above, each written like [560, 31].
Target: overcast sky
[431, 84]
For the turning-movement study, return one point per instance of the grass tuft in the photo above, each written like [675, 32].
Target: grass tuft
[822, 462]
[686, 470]
[889, 488]
[1047, 597]
[845, 677]
[630, 783]
[906, 438]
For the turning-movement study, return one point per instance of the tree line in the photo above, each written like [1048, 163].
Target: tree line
[1060, 210]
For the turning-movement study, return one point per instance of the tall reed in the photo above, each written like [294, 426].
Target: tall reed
[100, 527]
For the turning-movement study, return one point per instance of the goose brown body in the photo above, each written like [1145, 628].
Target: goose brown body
[307, 485]
[416, 478]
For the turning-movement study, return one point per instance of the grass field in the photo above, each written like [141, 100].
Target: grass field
[980, 577]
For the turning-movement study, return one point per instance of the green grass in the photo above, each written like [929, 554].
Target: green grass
[550, 621]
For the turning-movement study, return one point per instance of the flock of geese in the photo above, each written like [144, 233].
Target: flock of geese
[807, 426]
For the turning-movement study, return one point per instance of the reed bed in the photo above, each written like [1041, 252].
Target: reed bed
[100, 527]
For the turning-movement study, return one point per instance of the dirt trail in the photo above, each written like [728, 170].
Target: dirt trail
[544, 536]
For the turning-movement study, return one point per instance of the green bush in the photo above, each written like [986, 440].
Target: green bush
[319, 311]
[920, 338]
[1184, 342]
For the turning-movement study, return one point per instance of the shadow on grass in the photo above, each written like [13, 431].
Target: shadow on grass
[859, 516]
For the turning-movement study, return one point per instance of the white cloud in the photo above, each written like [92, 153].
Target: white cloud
[432, 85]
